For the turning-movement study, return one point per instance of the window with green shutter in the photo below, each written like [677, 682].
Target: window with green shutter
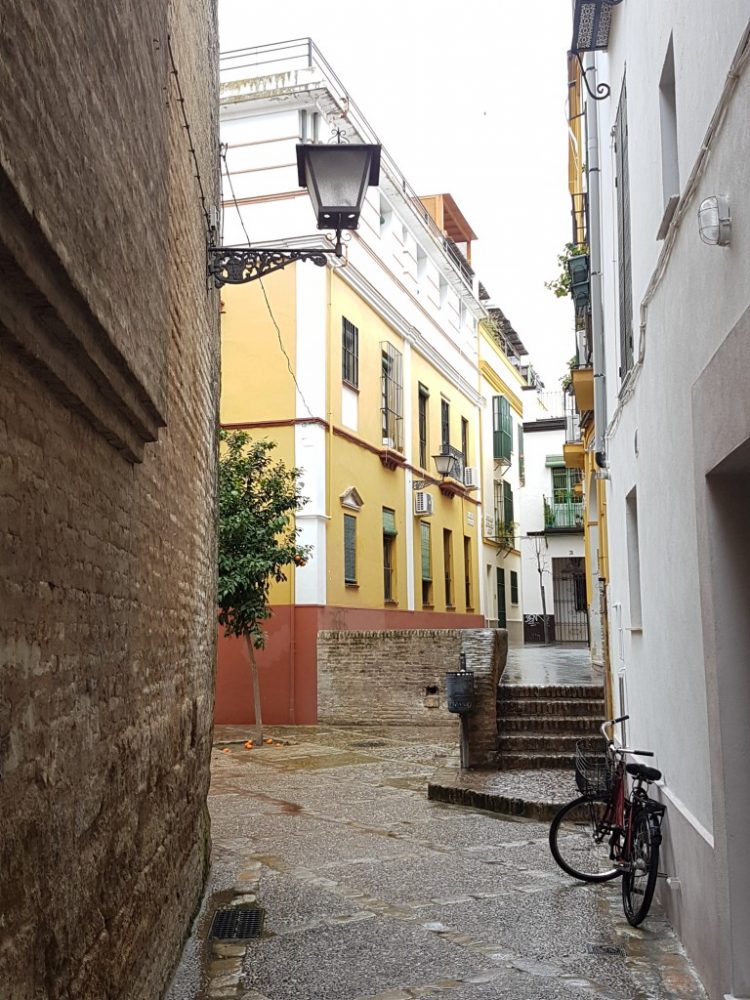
[502, 429]
[521, 463]
[507, 506]
[513, 587]
[426, 563]
[350, 549]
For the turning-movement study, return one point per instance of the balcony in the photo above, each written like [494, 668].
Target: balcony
[563, 514]
[583, 388]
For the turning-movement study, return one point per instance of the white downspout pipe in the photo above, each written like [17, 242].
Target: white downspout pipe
[595, 258]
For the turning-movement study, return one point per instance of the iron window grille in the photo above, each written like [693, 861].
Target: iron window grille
[349, 353]
[467, 571]
[391, 396]
[448, 566]
[445, 424]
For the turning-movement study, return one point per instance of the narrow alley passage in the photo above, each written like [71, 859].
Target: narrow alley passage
[373, 893]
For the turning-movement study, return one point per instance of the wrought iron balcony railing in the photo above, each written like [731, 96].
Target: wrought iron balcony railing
[563, 514]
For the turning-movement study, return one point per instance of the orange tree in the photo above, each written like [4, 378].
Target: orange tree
[257, 501]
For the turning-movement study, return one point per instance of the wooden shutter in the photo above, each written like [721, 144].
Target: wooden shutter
[502, 428]
[507, 506]
[350, 549]
[389, 522]
[426, 554]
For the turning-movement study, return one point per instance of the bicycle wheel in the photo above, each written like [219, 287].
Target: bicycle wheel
[579, 840]
[641, 871]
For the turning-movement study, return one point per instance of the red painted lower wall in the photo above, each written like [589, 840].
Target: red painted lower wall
[287, 666]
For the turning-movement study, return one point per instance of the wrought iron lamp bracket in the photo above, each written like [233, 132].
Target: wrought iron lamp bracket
[603, 90]
[239, 265]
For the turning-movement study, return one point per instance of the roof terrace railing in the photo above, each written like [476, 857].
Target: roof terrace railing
[303, 53]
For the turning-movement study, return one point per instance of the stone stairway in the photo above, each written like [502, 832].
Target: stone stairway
[538, 726]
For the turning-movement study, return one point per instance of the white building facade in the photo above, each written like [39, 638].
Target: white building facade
[671, 330]
[551, 535]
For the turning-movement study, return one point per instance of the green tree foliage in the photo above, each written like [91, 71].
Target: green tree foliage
[258, 499]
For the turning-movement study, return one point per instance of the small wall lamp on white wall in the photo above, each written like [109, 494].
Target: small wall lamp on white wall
[714, 221]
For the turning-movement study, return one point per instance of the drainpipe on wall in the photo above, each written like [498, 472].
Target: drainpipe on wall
[595, 251]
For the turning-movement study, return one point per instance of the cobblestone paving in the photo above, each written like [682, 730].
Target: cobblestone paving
[371, 892]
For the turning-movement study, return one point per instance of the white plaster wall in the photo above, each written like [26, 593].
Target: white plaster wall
[685, 324]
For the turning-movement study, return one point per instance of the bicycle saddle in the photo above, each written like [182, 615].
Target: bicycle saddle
[641, 771]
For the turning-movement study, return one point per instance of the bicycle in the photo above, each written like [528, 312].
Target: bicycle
[606, 833]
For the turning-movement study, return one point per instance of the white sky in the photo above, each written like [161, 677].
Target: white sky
[469, 98]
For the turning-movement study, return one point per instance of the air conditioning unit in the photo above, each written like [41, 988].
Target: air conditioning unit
[471, 477]
[422, 504]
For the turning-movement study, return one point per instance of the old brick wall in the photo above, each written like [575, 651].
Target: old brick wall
[398, 678]
[108, 413]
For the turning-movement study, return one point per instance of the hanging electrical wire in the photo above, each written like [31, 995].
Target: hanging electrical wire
[191, 145]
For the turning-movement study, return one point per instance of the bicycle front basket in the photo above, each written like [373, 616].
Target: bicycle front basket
[593, 768]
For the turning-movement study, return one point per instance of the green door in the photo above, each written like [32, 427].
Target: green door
[502, 621]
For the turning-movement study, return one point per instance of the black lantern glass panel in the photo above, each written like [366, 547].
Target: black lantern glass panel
[337, 178]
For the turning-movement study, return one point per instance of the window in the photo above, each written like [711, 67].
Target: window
[421, 263]
[442, 291]
[670, 169]
[634, 558]
[448, 567]
[445, 424]
[350, 549]
[467, 572]
[513, 587]
[423, 425]
[386, 216]
[521, 462]
[564, 482]
[503, 511]
[622, 182]
[424, 528]
[349, 353]
[389, 554]
[465, 440]
[502, 618]
[502, 429]
[508, 509]
[391, 396]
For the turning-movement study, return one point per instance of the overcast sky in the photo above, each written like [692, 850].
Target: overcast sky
[469, 98]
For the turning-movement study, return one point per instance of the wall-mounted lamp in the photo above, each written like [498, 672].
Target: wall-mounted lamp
[336, 177]
[444, 463]
[714, 221]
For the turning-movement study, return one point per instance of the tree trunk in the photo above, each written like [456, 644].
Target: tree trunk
[544, 616]
[256, 689]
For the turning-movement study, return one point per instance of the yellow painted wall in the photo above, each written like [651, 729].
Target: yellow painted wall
[255, 380]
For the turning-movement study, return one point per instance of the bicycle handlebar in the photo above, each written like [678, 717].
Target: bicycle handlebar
[613, 743]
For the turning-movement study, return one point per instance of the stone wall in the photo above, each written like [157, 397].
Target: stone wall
[108, 410]
[398, 678]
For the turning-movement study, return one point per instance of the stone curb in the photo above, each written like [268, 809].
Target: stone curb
[493, 802]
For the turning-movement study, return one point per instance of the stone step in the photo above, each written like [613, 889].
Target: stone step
[539, 743]
[535, 761]
[582, 725]
[516, 692]
[593, 708]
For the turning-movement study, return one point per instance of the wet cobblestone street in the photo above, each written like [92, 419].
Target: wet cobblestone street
[372, 892]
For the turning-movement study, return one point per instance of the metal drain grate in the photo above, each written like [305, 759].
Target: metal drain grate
[237, 923]
[605, 949]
